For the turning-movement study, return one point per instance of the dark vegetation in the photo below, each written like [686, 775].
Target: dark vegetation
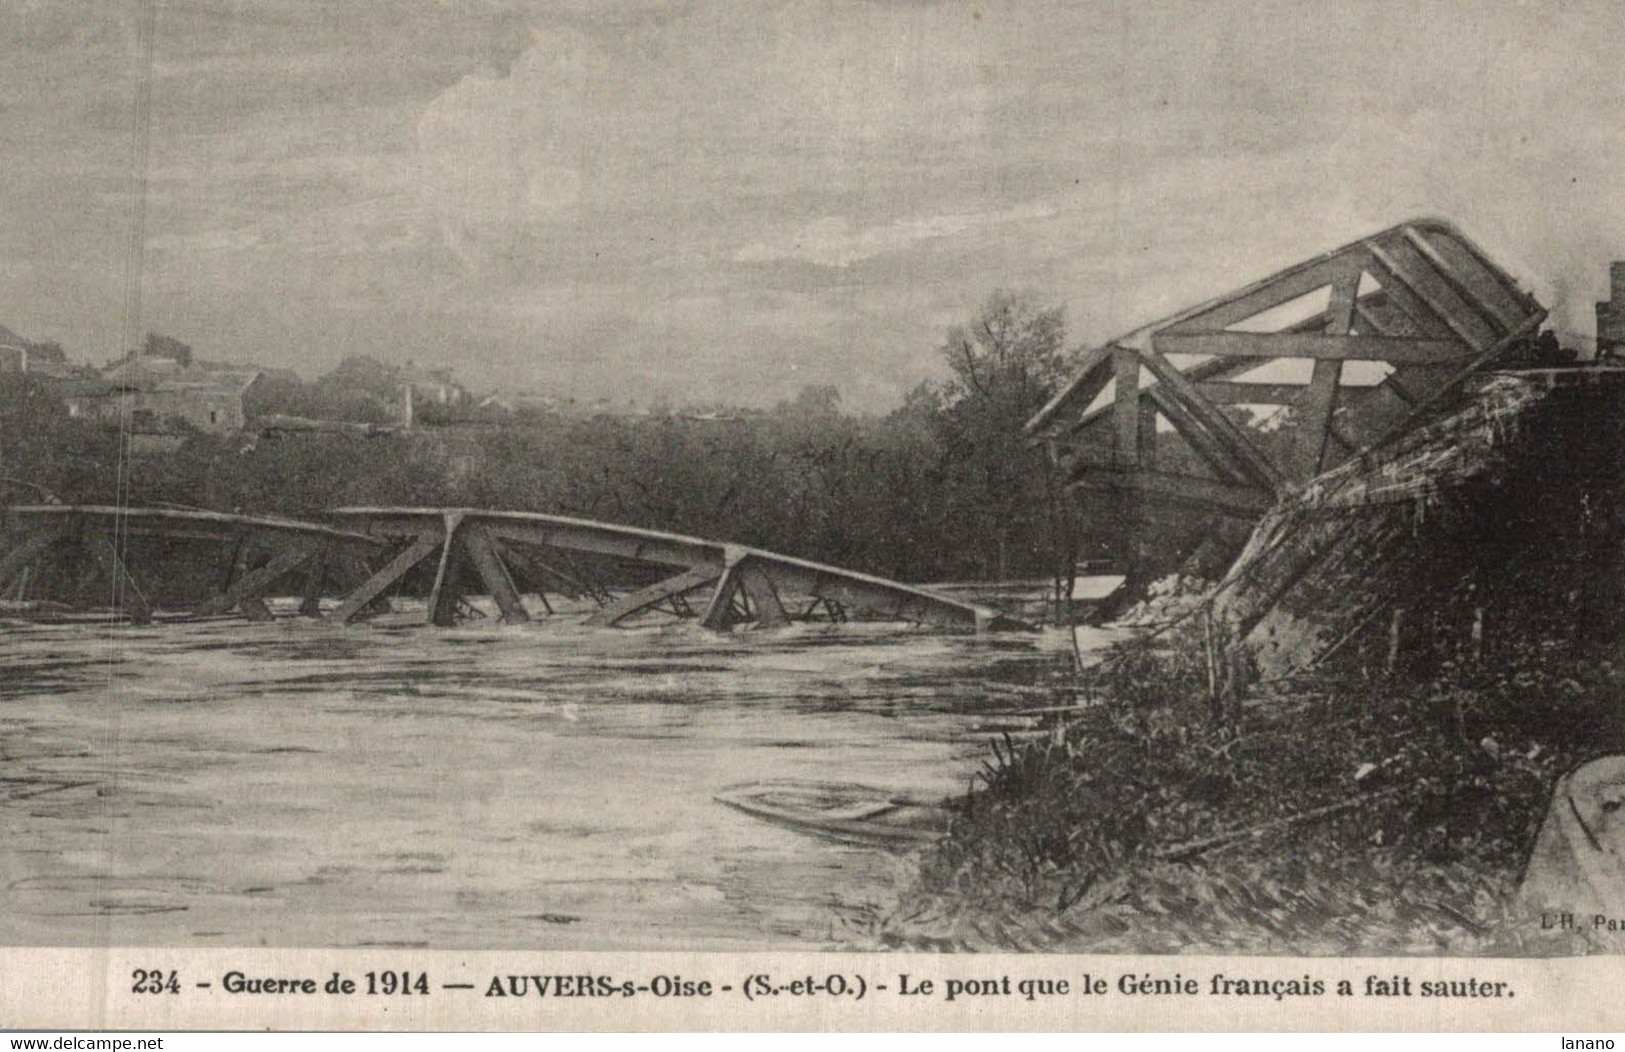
[1346, 815]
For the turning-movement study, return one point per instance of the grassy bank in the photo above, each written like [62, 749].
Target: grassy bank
[1352, 814]
[1386, 802]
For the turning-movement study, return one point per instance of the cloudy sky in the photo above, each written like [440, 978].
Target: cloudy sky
[726, 201]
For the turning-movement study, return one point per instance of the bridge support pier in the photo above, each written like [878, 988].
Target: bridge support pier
[745, 578]
[310, 605]
[444, 595]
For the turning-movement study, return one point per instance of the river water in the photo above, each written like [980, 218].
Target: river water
[546, 785]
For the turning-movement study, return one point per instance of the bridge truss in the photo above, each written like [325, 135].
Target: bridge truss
[1356, 344]
[365, 554]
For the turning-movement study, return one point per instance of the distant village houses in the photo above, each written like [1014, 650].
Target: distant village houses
[13, 352]
[164, 402]
[18, 355]
[436, 386]
[160, 393]
[510, 403]
[423, 388]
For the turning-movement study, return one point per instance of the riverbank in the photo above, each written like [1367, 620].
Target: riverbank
[1328, 816]
[1349, 745]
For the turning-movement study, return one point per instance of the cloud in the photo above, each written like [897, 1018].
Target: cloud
[695, 126]
[499, 155]
[834, 242]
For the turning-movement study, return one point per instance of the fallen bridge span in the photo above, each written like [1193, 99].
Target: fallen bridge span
[364, 555]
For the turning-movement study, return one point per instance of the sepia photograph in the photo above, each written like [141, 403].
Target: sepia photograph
[854, 476]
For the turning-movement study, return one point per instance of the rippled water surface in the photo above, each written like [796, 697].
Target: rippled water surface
[543, 785]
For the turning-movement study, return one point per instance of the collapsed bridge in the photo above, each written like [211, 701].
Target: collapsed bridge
[366, 554]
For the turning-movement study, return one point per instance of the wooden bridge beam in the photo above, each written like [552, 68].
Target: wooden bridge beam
[1221, 428]
[1478, 288]
[235, 563]
[1443, 310]
[1268, 294]
[644, 598]
[310, 603]
[375, 586]
[443, 595]
[797, 576]
[1317, 346]
[1406, 268]
[749, 578]
[549, 531]
[1147, 434]
[185, 523]
[1377, 320]
[757, 584]
[1320, 401]
[719, 612]
[1233, 392]
[1214, 369]
[1196, 436]
[1126, 438]
[537, 571]
[126, 593]
[1090, 378]
[245, 593]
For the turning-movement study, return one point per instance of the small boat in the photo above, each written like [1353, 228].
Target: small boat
[852, 814]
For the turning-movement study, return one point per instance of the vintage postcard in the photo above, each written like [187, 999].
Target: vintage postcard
[676, 515]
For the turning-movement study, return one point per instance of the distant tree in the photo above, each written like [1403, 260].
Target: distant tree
[1006, 363]
[160, 346]
[42, 446]
[814, 400]
[274, 395]
[1011, 354]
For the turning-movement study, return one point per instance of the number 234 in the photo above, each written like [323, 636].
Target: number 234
[154, 982]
